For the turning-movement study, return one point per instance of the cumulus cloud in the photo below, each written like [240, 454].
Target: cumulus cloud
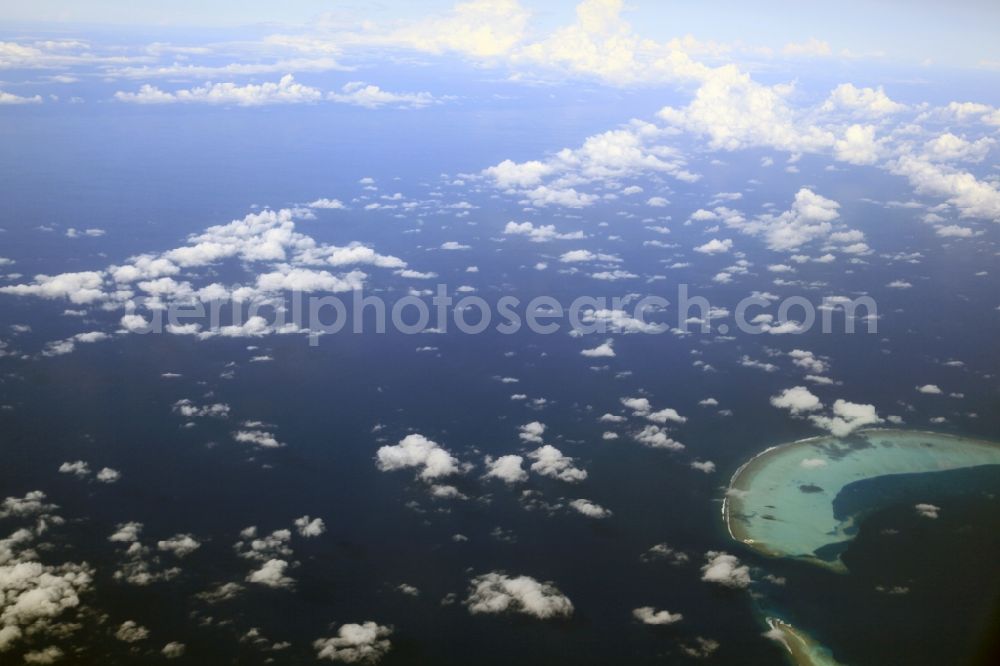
[649, 615]
[37, 601]
[846, 418]
[797, 400]
[188, 409]
[416, 451]
[496, 592]
[656, 437]
[808, 361]
[108, 475]
[810, 218]
[506, 468]
[540, 233]
[715, 246]
[310, 527]
[271, 574]
[619, 321]
[724, 569]
[131, 631]
[79, 469]
[590, 509]
[550, 461]
[180, 545]
[355, 644]
[928, 510]
[257, 437]
[173, 650]
[7, 98]
[861, 101]
[266, 243]
[603, 350]
[80, 288]
[667, 414]
[370, 96]
[609, 156]
[532, 432]
[285, 91]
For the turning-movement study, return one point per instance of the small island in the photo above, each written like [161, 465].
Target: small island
[782, 502]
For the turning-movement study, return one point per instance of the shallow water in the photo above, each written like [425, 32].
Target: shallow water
[783, 502]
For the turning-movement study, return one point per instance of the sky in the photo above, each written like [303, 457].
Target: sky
[954, 34]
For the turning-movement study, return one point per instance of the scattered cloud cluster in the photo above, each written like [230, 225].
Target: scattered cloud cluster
[496, 592]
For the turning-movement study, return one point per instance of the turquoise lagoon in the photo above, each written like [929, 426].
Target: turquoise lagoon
[783, 502]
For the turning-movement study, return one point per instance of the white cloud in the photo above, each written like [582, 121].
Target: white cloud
[326, 204]
[858, 145]
[372, 97]
[950, 148]
[736, 112]
[847, 417]
[310, 527]
[972, 197]
[808, 361]
[416, 451]
[126, 533]
[797, 400]
[665, 415]
[479, 28]
[11, 99]
[707, 466]
[271, 574]
[550, 461]
[603, 158]
[506, 468]
[928, 510]
[79, 469]
[576, 256]
[639, 406]
[532, 432]
[540, 233]
[180, 545]
[861, 101]
[261, 438]
[619, 321]
[173, 650]
[285, 91]
[955, 231]
[80, 288]
[37, 601]
[188, 409]
[603, 350]
[108, 475]
[725, 569]
[715, 246]
[131, 631]
[930, 389]
[657, 438]
[590, 509]
[49, 655]
[355, 643]
[809, 219]
[649, 615]
[496, 592]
